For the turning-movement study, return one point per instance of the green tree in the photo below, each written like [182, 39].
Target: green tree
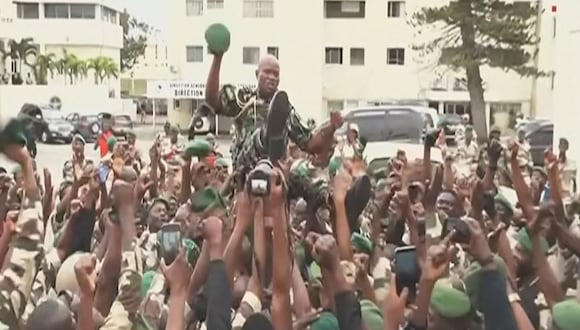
[45, 65]
[23, 52]
[474, 33]
[134, 40]
[103, 68]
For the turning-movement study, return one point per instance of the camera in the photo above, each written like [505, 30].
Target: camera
[258, 182]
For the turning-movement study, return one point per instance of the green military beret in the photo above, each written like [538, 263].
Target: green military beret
[448, 301]
[222, 162]
[566, 315]
[160, 200]
[473, 276]
[217, 37]
[495, 129]
[361, 243]
[314, 272]
[499, 198]
[111, 142]
[12, 132]
[326, 321]
[526, 242]
[468, 128]
[372, 315]
[198, 148]
[79, 138]
[206, 199]
[192, 250]
[146, 281]
[334, 166]
[131, 133]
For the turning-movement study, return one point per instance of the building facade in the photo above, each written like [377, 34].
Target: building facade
[85, 28]
[337, 54]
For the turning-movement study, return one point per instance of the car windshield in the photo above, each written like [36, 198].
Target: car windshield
[386, 125]
[122, 120]
[51, 114]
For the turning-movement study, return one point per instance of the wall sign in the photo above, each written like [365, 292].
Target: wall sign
[179, 89]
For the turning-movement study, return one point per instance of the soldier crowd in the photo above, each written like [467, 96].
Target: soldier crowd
[179, 238]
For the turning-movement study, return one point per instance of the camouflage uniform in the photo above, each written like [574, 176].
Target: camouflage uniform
[250, 113]
[68, 168]
[27, 255]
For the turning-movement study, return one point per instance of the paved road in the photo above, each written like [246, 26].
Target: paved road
[53, 156]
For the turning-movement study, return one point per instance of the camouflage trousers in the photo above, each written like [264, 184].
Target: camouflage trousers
[305, 180]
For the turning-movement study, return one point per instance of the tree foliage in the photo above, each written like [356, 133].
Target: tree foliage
[134, 40]
[482, 32]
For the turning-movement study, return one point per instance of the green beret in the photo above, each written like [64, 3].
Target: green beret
[222, 162]
[111, 142]
[473, 276]
[79, 138]
[314, 272]
[206, 199]
[131, 133]
[361, 243]
[192, 251]
[566, 315]
[495, 129]
[13, 133]
[146, 281]
[448, 301]
[326, 321]
[499, 198]
[334, 166]
[160, 200]
[526, 242]
[468, 128]
[198, 148]
[372, 315]
[217, 37]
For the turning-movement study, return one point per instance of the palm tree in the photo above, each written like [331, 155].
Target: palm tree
[103, 67]
[23, 52]
[45, 64]
[77, 68]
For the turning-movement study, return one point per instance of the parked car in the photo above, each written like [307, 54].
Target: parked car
[540, 137]
[385, 123]
[122, 124]
[87, 126]
[58, 129]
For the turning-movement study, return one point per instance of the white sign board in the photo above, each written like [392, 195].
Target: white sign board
[178, 89]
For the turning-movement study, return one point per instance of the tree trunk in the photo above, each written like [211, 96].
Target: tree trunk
[475, 88]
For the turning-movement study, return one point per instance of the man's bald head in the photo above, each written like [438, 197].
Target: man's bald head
[268, 74]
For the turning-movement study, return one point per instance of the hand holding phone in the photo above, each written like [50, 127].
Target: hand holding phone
[103, 173]
[169, 242]
[462, 234]
[407, 270]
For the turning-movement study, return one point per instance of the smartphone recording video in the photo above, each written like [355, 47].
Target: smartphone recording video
[407, 269]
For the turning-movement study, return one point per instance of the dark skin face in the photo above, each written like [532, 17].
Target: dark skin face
[446, 203]
[78, 148]
[268, 75]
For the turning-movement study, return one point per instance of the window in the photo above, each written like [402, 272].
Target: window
[504, 114]
[56, 10]
[344, 9]
[27, 10]
[215, 4]
[258, 8]
[109, 15]
[333, 55]
[82, 11]
[194, 7]
[357, 56]
[251, 55]
[194, 54]
[395, 9]
[273, 51]
[396, 56]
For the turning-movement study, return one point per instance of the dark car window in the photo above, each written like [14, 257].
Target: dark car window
[122, 120]
[385, 125]
[542, 137]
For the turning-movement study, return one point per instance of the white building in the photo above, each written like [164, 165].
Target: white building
[85, 28]
[333, 54]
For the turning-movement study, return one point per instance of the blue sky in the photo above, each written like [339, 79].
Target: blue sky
[153, 12]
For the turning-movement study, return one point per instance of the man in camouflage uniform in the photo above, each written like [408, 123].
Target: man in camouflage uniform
[264, 118]
[78, 157]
